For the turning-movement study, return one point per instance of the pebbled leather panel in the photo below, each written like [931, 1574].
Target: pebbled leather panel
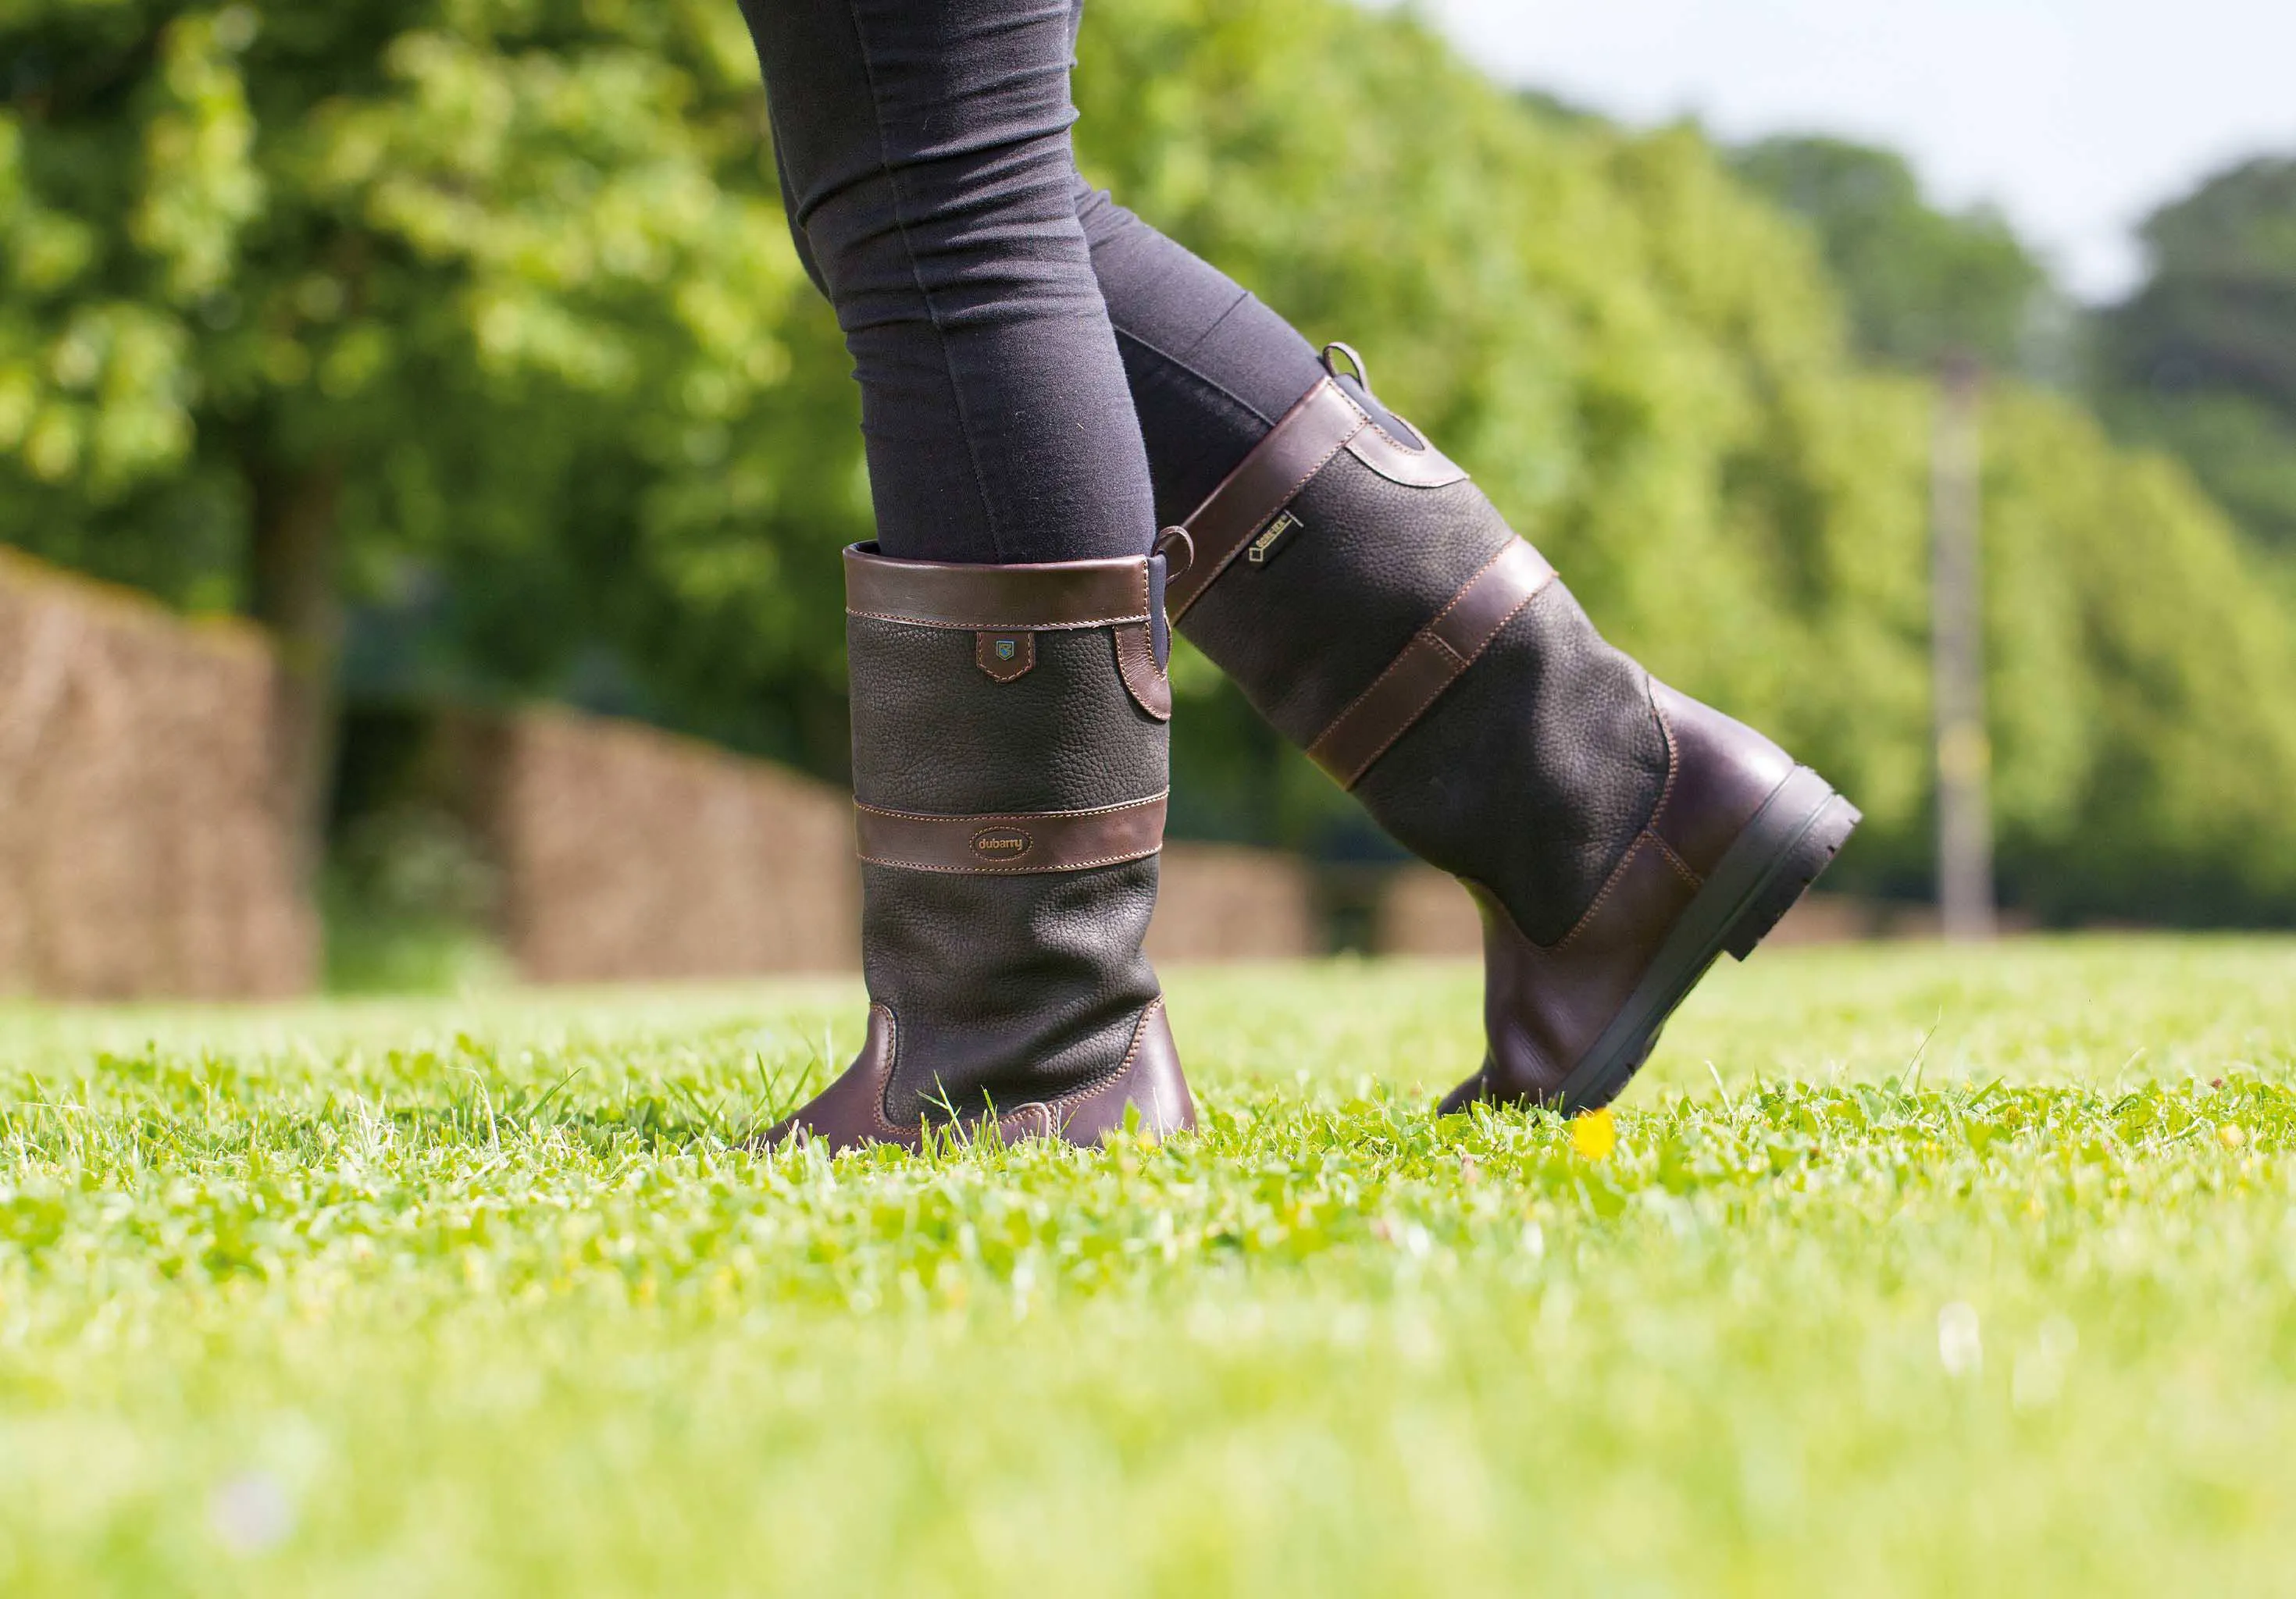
[936, 593]
[1005, 656]
[1535, 772]
[1012, 843]
[1144, 678]
[1008, 989]
[1371, 564]
[1430, 663]
[933, 735]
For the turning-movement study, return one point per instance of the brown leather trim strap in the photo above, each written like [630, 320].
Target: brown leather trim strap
[1425, 467]
[1324, 422]
[1430, 663]
[1149, 685]
[999, 846]
[1262, 484]
[984, 599]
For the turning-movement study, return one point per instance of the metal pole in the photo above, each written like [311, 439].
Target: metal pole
[1957, 660]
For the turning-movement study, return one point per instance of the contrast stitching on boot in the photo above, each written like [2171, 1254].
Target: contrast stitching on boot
[1148, 686]
[1675, 861]
[892, 1064]
[1459, 665]
[1428, 635]
[1649, 829]
[1148, 619]
[1086, 866]
[1294, 492]
[1362, 422]
[1013, 815]
[1370, 421]
[1409, 449]
[1673, 751]
[1122, 1068]
[1611, 883]
[1018, 822]
[1290, 494]
[933, 622]
[1273, 511]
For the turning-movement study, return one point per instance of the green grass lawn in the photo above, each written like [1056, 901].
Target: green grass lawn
[1913, 1271]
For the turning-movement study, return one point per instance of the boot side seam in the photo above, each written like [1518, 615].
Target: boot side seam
[877, 1101]
[1666, 792]
[1609, 885]
[1681, 867]
[1673, 757]
[1116, 1073]
[1647, 831]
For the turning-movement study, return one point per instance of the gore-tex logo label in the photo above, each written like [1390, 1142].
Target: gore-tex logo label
[1262, 550]
[1002, 843]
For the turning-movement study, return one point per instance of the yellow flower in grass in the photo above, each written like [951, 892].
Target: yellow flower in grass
[1594, 1135]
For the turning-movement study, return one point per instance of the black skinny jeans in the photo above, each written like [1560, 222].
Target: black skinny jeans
[1028, 350]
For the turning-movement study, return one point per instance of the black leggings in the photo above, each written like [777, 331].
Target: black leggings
[1028, 350]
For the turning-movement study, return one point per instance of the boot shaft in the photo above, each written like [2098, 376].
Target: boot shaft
[1010, 762]
[1379, 612]
[1616, 836]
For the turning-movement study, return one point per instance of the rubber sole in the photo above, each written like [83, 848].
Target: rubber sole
[1771, 864]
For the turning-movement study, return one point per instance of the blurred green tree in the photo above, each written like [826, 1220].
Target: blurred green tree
[485, 308]
[2202, 359]
[297, 303]
[1651, 370]
[1920, 283]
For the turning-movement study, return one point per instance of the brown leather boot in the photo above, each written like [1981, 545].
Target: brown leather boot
[1010, 762]
[1616, 835]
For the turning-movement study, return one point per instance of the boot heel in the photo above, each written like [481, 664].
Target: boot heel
[1808, 854]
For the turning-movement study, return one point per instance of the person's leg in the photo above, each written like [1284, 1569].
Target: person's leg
[923, 150]
[1617, 836]
[1212, 367]
[1004, 634]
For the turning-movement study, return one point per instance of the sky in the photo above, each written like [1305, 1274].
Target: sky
[2076, 117]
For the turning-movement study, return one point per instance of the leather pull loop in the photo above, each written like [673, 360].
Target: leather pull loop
[1170, 539]
[1008, 846]
[1430, 663]
[1355, 361]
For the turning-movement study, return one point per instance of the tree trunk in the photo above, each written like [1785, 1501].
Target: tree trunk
[293, 593]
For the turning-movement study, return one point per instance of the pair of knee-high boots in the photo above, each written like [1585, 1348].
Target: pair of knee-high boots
[1010, 758]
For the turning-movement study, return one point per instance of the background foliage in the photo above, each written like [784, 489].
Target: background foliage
[2202, 359]
[480, 313]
